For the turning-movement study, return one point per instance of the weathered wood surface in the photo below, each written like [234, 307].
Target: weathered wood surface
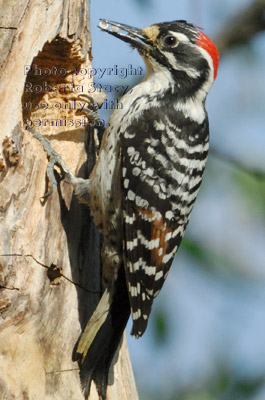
[49, 251]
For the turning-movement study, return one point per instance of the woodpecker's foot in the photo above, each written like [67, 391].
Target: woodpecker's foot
[91, 110]
[80, 185]
[54, 160]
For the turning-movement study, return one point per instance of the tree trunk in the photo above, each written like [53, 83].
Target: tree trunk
[49, 249]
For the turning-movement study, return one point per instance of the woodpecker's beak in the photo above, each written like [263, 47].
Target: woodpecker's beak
[129, 34]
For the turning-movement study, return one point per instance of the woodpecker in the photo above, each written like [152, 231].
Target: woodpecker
[148, 172]
[152, 158]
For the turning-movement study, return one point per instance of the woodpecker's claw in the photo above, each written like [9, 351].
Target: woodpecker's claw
[91, 110]
[54, 160]
[89, 99]
[80, 185]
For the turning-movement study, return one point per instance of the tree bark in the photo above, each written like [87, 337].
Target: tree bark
[49, 249]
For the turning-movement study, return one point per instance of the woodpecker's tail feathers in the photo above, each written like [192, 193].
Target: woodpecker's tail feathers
[102, 336]
[94, 324]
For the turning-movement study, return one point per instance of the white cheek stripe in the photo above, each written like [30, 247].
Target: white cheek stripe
[191, 72]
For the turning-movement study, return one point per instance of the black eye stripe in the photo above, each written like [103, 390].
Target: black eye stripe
[170, 41]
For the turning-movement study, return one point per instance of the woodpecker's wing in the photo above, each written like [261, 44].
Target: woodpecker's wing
[162, 167]
[148, 255]
[148, 245]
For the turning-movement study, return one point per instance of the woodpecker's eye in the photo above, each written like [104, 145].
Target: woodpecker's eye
[171, 41]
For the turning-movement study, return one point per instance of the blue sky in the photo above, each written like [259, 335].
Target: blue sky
[213, 317]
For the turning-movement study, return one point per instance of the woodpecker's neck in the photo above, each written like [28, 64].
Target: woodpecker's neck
[160, 89]
[180, 92]
[180, 85]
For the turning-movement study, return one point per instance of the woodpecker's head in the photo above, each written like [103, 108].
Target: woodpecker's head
[176, 47]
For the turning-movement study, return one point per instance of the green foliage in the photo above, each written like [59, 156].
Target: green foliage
[160, 325]
[207, 258]
[252, 187]
[224, 385]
